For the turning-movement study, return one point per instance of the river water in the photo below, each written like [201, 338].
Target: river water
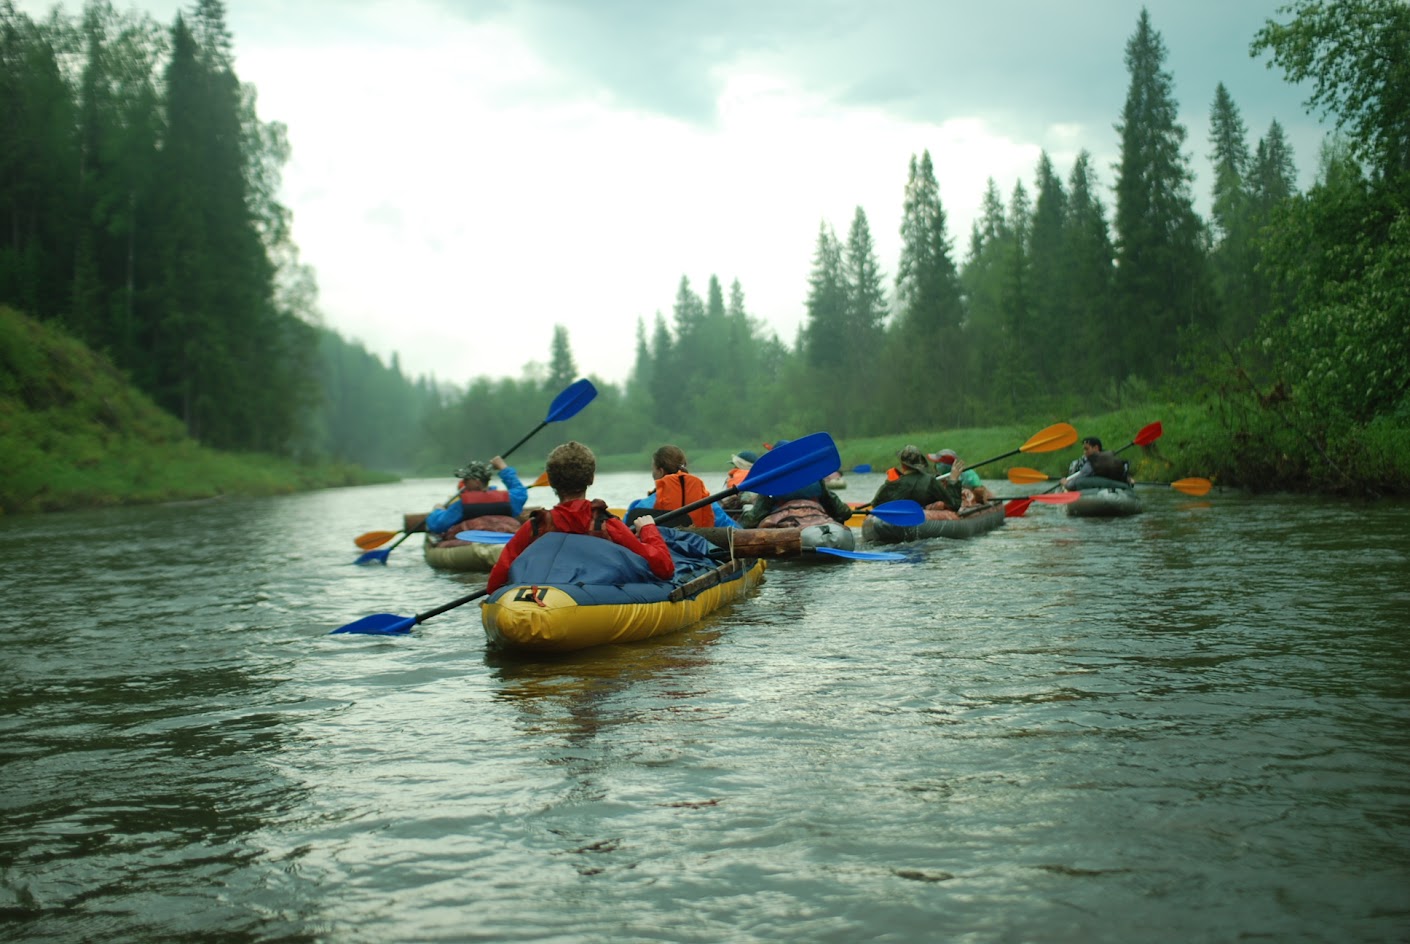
[1191, 725]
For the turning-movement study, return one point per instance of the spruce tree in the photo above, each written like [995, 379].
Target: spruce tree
[1093, 315]
[866, 297]
[926, 341]
[561, 369]
[825, 330]
[1049, 267]
[1161, 281]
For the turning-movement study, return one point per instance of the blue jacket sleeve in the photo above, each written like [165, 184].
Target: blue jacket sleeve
[722, 518]
[442, 518]
[518, 493]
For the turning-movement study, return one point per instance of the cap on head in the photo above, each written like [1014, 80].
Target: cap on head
[912, 458]
[571, 468]
[476, 471]
[944, 456]
[744, 458]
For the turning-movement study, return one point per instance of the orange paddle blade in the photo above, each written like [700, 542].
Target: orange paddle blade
[1056, 436]
[1022, 476]
[541, 480]
[1192, 486]
[373, 539]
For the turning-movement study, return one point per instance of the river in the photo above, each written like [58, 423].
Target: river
[1190, 725]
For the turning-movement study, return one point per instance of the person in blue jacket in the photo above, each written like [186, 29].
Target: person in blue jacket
[477, 497]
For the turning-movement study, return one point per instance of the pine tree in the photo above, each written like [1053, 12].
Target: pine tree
[1160, 277]
[926, 340]
[1018, 379]
[1233, 258]
[866, 297]
[561, 369]
[1048, 263]
[1094, 322]
[825, 330]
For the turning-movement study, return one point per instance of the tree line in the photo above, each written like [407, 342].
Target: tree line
[139, 208]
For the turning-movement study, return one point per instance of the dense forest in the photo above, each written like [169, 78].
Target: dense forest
[139, 209]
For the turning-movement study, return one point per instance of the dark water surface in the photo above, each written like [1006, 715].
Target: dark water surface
[1193, 725]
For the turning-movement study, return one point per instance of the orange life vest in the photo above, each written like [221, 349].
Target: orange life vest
[680, 489]
[735, 476]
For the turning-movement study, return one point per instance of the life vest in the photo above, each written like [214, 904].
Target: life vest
[474, 504]
[1108, 466]
[680, 489]
[735, 476]
[542, 520]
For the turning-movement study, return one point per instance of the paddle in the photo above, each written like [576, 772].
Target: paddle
[566, 405]
[389, 623]
[779, 471]
[902, 512]
[1190, 486]
[862, 469]
[1018, 507]
[857, 555]
[373, 539]
[1148, 434]
[482, 537]
[541, 480]
[368, 557]
[1057, 436]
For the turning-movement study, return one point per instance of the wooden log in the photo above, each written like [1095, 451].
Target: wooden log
[755, 542]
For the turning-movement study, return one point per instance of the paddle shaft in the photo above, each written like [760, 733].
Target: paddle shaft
[422, 617]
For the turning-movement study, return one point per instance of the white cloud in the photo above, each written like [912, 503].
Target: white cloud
[461, 187]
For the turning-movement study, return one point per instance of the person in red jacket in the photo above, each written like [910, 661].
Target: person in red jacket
[571, 468]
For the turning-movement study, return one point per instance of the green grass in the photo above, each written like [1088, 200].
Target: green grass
[1165, 462]
[75, 434]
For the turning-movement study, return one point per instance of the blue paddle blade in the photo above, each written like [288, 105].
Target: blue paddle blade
[862, 469]
[793, 465]
[860, 555]
[378, 624]
[573, 398]
[902, 512]
[483, 537]
[369, 557]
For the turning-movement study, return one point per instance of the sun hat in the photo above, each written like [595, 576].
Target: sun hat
[478, 470]
[912, 458]
[744, 458]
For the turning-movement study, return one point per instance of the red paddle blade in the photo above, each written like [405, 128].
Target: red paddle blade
[1017, 508]
[1149, 434]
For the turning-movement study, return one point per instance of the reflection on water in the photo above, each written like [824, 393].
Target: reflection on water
[1189, 725]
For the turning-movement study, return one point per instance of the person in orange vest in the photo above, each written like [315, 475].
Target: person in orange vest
[676, 488]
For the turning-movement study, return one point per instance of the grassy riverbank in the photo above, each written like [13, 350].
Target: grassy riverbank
[1167, 460]
[75, 434]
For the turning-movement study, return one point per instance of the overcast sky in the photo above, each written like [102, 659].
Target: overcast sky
[466, 175]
